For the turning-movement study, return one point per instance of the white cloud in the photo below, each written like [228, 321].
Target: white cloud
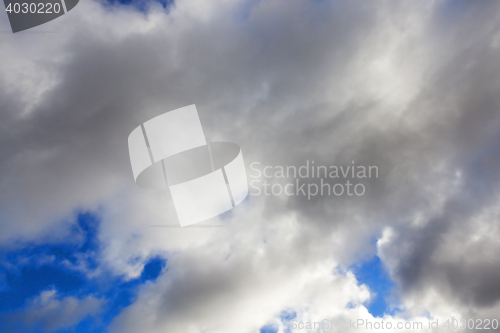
[48, 312]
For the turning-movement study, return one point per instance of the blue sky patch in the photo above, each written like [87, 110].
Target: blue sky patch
[374, 275]
[26, 273]
[268, 329]
[285, 317]
[140, 5]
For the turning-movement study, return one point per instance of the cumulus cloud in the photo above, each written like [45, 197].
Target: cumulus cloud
[408, 87]
[49, 313]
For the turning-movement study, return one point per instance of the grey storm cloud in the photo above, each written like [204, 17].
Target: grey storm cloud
[409, 87]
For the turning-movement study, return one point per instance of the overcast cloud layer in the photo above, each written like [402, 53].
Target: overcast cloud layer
[410, 87]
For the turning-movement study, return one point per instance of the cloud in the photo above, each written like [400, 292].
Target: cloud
[408, 87]
[47, 312]
[239, 293]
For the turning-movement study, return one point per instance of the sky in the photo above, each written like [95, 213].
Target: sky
[410, 87]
